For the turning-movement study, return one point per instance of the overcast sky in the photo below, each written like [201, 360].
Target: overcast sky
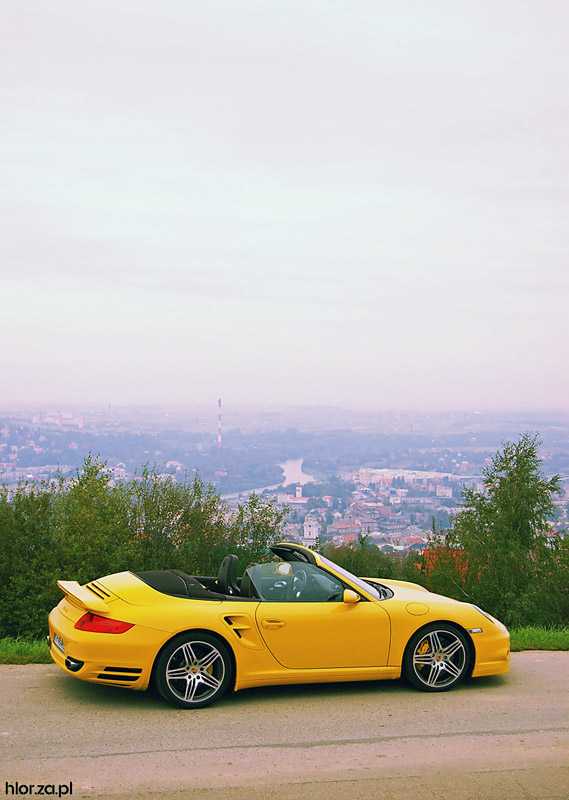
[301, 201]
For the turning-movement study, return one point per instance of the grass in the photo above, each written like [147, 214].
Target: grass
[531, 638]
[22, 651]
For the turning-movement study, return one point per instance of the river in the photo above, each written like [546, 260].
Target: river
[292, 474]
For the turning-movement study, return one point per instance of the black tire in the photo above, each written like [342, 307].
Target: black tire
[193, 670]
[437, 658]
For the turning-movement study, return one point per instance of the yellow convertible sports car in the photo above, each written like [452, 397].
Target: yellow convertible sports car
[297, 619]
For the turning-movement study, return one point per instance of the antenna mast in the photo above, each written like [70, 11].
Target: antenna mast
[219, 423]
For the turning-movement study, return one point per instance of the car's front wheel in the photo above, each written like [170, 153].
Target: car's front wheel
[437, 658]
[193, 670]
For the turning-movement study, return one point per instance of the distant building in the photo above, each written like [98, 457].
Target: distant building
[177, 465]
[345, 529]
[346, 538]
[118, 472]
[292, 531]
[292, 500]
[311, 530]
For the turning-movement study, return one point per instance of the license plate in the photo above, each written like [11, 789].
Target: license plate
[58, 642]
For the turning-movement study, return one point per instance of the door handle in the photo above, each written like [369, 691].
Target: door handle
[273, 623]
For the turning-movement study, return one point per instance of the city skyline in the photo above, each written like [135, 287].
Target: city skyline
[350, 204]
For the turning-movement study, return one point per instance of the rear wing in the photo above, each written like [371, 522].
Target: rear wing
[78, 594]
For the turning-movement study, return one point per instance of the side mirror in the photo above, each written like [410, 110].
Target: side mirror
[350, 596]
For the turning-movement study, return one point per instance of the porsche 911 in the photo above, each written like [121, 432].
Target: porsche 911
[298, 618]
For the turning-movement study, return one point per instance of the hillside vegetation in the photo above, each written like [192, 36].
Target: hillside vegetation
[89, 527]
[500, 553]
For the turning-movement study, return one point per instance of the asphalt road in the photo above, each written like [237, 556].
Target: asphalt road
[495, 738]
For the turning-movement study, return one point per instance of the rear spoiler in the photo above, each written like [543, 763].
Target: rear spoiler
[79, 594]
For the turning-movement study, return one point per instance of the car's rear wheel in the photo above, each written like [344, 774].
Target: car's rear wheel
[193, 670]
[437, 658]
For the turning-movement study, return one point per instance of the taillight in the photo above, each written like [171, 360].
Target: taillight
[96, 624]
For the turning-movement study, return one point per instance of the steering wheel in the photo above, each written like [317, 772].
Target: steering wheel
[297, 585]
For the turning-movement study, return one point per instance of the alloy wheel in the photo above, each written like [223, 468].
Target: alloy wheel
[193, 671]
[437, 658]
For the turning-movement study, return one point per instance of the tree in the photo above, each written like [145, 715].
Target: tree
[255, 526]
[180, 525]
[361, 559]
[28, 559]
[90, 523]
[86, 526]
[496, 553]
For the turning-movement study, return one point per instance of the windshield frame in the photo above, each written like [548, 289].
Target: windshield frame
[361, 584]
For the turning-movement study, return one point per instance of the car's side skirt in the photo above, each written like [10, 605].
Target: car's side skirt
[318, 676]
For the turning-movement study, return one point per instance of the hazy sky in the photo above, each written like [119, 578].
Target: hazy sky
[311, 201]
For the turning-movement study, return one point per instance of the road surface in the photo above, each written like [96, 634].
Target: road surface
[492, 739]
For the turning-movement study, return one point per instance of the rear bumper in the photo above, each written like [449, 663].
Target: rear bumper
[123, 659]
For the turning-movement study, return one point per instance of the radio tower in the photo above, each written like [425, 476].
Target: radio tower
[219, 423]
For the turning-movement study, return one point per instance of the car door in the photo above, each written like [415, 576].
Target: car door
[313, 628]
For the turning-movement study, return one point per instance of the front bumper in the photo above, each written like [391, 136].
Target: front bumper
[492, 651]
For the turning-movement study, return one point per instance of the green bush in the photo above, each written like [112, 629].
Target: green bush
[88, 527]
[496, 554]
[359, 559]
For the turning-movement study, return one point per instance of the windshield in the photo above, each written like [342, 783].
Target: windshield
[352, 578]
